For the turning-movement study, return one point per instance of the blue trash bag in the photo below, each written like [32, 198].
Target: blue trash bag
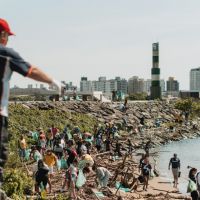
[120, 187]
[35, 136]
[37, 156]
[90, 140]
[63, 163]
[80, 179]
[27, 154]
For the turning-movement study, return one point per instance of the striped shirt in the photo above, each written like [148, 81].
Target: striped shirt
[9, 61]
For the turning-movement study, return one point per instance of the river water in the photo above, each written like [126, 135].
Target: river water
[189, 154]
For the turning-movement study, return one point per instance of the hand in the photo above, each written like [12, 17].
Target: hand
[57, 85]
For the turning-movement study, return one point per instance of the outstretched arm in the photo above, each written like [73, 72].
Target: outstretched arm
[38, 75]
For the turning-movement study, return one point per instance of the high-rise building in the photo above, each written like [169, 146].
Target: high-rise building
[119, 85]
[135, 85]
[172, 85]
[102, 78]
[104, 85]
[85, 85]
[155, 73]
[195, 79]
[122, 85]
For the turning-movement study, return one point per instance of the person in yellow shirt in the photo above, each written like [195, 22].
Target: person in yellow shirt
[22, 147]
[50, 160]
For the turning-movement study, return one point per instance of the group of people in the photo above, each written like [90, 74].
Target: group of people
[71, 149]
[68, 149]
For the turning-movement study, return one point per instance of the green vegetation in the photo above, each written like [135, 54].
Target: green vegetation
[138, 96]
[184, 104]
[36, 97]
[190, 105]
[22, 120]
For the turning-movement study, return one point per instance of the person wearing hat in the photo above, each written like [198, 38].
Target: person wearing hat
[175, 163]
[11, 61]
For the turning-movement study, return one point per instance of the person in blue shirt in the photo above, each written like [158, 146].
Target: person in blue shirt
[175, 163]
[11, 61]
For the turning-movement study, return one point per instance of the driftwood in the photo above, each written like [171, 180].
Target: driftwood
[117, 171]
[102, 154]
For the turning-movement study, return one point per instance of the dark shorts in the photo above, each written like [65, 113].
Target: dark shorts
[3, 140]
[43, 180]
[22, 153]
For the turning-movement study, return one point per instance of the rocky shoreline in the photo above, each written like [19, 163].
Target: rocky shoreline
[167, 131]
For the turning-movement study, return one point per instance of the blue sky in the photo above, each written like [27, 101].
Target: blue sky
[73, 38]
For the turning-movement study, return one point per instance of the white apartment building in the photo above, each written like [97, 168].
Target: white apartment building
[195, 79]
[104, 85]
[135, 85]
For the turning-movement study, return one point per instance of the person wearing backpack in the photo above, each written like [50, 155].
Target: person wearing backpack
[175, 163]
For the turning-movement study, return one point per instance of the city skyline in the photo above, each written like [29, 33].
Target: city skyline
[100, 38]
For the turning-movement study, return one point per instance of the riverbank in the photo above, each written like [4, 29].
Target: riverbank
[158, 189]
[86, 115]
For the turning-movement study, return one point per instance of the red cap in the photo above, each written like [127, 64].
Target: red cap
[5, 27]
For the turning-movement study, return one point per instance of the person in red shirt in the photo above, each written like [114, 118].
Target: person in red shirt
[54, 130]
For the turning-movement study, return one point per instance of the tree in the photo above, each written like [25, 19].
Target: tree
[138, 96]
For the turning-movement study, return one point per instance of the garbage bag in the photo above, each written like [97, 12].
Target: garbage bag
[80, 179]
[69, 135]
[37, 156]
[35, 136]
[121, 187]
[191, 186]
[27, 154]
[63, 163]
[152, 174]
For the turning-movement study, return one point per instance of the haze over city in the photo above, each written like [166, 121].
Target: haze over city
[70, 39]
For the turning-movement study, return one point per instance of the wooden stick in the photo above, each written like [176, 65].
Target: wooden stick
[102, 154]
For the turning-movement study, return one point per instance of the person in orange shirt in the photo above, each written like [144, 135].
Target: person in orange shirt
[22, 147]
